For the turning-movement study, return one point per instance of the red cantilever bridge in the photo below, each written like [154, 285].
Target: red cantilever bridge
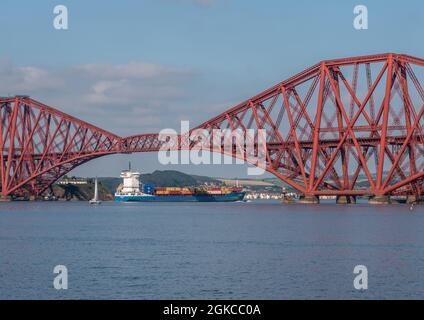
[344, 127]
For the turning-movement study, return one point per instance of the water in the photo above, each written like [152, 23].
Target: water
[257, 250]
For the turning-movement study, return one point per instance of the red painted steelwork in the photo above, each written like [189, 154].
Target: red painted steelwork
[349, 126]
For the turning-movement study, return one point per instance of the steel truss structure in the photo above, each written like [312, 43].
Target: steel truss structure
[342, 127]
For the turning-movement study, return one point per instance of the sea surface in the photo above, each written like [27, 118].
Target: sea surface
[256, 250]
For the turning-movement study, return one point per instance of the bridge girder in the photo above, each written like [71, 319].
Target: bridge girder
[341, 127]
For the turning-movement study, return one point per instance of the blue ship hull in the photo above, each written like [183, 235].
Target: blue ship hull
[235, 196]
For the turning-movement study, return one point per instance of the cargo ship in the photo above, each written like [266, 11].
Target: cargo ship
[129, 191]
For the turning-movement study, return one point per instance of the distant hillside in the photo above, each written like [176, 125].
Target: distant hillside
[166, 178]
[246, 182]
[169, 178]
[81, 192]
[204, 179]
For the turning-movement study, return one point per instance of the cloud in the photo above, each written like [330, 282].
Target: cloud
[128, 98]
[132, 70]
[125, 84]
[15, 80]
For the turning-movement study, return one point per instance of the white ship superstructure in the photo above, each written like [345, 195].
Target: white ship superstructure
[130, 184]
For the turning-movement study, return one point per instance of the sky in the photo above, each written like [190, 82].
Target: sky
[134, 66]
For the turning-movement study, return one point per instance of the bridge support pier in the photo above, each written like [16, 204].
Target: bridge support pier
[411, 199]
[379, 200]
[308, 199]
[345, 199]
[5, 198]
[288, 200]
[414, 199]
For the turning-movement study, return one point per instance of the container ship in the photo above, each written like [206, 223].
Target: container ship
[129, 191]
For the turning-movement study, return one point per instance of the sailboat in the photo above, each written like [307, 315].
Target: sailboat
[95, 200]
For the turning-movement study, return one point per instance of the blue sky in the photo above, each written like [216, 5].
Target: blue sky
[192, 58]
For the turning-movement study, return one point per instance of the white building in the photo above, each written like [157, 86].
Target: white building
[73, 181]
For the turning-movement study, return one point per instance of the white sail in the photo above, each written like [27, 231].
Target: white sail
[96, 191]
[95, 200]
